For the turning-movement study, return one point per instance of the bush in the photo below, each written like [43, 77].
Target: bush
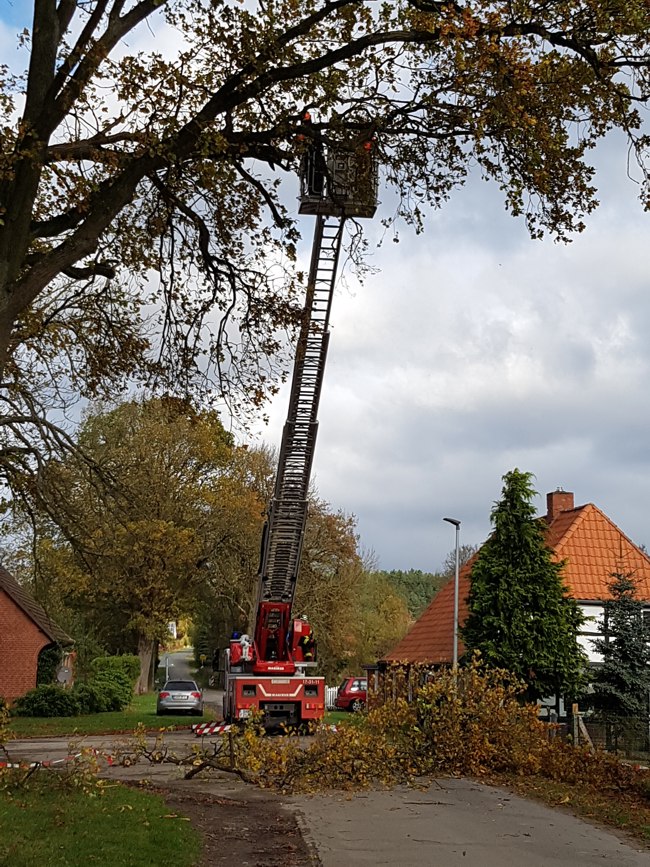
[127, 664]
[47, 700]
[113, 690]
[4, 722]
[91, 698]
[110, 688]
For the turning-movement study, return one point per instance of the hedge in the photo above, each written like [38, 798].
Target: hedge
[110, 688]
[46, 700]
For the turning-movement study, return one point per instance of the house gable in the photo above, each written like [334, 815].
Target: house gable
[21, 641]
[595, 548]
[25, 629]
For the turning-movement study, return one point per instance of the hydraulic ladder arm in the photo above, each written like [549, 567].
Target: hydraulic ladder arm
[285, 528]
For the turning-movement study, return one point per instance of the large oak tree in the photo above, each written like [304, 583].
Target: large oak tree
[144, 230]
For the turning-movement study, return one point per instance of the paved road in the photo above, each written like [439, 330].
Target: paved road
[180, 664]
[455, 822]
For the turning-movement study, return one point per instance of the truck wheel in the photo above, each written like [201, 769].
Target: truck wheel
[357, 705]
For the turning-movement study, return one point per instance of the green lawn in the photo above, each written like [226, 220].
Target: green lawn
[45, 824]
[141, 710]
[332, 717]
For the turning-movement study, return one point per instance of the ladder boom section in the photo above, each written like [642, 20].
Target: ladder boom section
[285, 530]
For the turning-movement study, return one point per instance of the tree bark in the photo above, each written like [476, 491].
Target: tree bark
[145, 652]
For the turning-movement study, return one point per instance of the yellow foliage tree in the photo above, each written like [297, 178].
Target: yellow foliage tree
[132, 541]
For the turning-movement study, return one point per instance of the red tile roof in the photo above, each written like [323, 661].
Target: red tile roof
[33, 610]
[593, 546]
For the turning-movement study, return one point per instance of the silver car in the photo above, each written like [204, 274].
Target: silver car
[180, 696]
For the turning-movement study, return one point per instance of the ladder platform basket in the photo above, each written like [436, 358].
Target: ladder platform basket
[341, 183]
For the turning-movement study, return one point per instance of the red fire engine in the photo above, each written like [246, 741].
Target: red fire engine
[271, 672]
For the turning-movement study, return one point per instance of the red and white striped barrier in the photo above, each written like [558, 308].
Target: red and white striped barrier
[44, 764]
[210, 728]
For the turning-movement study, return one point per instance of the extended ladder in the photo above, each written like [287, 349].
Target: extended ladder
[288, 512]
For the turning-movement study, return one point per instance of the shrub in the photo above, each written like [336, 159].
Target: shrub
[113, 689]
[91, 698]
[5, 735]
[126, 664]
[47, 700]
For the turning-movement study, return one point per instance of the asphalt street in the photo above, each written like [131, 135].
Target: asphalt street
[455, 822]
[180, 665]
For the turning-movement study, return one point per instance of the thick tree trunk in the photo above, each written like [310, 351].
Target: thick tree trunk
[146, 650]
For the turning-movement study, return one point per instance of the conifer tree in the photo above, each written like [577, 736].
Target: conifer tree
[520, 617]
[622, 683]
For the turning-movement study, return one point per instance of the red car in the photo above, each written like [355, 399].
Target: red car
[351, 694]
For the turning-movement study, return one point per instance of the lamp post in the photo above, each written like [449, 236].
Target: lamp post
[456, 524]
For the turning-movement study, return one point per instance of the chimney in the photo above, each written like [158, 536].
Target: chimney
[556, 502]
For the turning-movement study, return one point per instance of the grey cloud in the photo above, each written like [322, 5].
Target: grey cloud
[474, 350]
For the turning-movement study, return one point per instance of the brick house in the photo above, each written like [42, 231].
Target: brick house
[25, 631]
[593, 547]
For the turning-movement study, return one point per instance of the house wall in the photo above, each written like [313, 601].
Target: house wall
[20, 643]
[594, 613]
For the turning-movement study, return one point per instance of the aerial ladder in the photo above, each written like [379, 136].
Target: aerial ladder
[271, 672]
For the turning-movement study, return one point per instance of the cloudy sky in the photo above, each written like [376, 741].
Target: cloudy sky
[474, 350]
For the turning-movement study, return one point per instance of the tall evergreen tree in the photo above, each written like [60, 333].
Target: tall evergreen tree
[520, 617]
[622, 684]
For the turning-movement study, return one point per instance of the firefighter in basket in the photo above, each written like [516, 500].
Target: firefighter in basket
[307, 643]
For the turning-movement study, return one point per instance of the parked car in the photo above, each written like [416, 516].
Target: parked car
[351, 694]
[180, 696]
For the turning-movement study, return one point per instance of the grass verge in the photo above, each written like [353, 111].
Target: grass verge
[121, 826]
[141, 710]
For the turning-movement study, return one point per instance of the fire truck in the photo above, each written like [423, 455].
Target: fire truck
[273, 670]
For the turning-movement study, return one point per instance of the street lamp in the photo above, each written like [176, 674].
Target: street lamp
[456, 524]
